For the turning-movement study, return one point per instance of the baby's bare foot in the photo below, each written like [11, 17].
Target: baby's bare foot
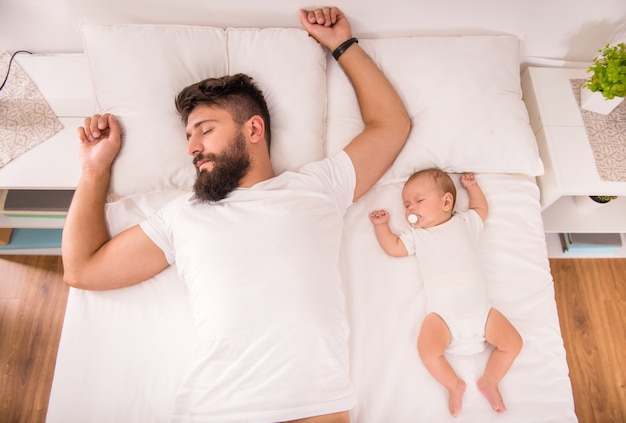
[456, 398]
[492, 393]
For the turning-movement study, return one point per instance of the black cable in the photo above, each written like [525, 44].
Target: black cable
[6, 78]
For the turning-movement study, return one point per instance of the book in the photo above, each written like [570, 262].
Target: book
[592, 239]
[591, 243]
[5, 235]
[33, 238]
[35, 202]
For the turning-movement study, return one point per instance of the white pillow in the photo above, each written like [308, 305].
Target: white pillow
[290, 68]
[463, 95]
[137, 70]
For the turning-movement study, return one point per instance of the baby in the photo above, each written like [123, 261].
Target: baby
[459, 316]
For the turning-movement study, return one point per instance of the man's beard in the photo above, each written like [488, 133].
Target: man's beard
[229, 167]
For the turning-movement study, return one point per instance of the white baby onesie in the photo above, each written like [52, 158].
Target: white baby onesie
[453, 280]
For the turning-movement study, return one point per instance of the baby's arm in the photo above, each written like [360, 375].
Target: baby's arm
[477, 199]
[389, 241]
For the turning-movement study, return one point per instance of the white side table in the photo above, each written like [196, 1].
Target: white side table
[65, 83]
[570, 168]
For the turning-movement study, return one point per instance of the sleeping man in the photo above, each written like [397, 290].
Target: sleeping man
[257, 251]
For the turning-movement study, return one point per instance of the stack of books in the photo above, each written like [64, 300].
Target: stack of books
[27, 203]
[591, 243]
[35, 202]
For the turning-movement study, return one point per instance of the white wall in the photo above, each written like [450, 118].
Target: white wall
[556, 29]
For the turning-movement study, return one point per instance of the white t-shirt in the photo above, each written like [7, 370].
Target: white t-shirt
[261, 267]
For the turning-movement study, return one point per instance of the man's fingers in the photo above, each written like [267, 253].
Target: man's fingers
[326, 16]
[334, 13]
[327, 19]
[81, 134]
[103, 121]
[114, 126]
[92, 128]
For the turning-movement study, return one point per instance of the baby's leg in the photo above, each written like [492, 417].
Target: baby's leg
[433, 339]
[500, 333]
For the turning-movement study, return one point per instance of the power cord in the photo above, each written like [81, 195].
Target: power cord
[9, 68]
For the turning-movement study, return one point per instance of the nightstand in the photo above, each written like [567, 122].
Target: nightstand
[570, 168]
[65, 83]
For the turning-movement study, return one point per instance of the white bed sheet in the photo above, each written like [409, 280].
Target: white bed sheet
[385, 303]
[124, 352]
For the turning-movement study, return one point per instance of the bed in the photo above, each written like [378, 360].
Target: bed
[124, 352]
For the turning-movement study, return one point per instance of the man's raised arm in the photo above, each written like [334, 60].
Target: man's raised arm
[91, 259]
[387, 123]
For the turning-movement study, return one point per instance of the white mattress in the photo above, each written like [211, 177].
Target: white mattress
[124, 352]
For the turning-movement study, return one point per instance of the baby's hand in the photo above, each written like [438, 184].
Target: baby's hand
[379, 217]
[468, 179]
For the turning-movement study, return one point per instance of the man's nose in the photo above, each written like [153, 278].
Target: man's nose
[194, 147]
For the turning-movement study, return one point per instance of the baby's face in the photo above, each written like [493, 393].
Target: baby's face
[423, 198]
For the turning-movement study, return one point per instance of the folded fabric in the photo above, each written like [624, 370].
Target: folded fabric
[607, 137]
[26, 118]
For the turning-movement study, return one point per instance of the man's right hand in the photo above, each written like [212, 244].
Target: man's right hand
[328, 25]
[100, 142]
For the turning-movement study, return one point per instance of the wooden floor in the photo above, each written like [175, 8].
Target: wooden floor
[590, 294]
[591, 300]
[32, 306]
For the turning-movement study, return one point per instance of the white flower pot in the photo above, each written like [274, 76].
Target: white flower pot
[595, 101]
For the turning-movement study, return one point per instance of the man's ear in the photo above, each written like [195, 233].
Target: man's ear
[448, 201]
[256, 126]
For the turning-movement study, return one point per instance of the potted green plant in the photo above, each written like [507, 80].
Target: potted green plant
[606, 86]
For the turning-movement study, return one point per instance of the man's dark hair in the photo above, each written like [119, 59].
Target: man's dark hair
[238, 94]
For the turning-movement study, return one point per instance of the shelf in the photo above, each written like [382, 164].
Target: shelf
[54, 164]
[555, 250]
[53, 251]
[33, 241]
[570, 167]
[565, 216]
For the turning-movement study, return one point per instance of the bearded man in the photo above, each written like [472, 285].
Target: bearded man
[257, 251]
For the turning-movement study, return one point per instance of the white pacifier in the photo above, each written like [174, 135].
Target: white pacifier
[413, 218]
